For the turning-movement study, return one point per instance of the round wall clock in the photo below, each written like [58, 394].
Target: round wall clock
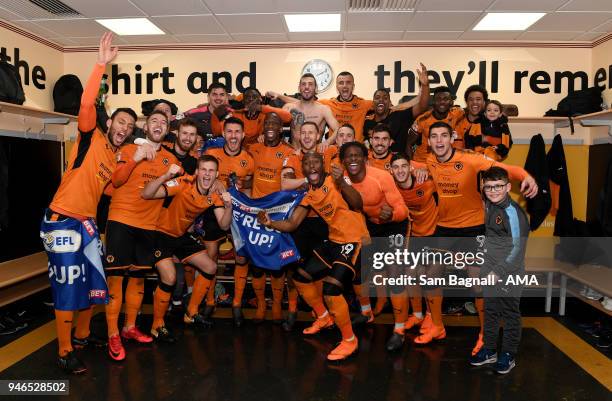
[322, 71]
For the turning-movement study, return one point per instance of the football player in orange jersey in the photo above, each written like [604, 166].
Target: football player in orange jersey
[253, 116]
[90, 166]
[269, 157]
[346, 133]
[469, 128]
[421, 200]
[291, 175]
[130, 232]
[313, 231]
[337, 260]
[191, 196]
[233, 159]
[347, 107]
[443, 111]
[386, 217]
[460, 207]
[380, 143]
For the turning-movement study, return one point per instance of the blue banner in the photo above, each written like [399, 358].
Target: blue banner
[76, 274]
[266, 248]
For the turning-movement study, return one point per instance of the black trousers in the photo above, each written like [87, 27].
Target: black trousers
[507, 309]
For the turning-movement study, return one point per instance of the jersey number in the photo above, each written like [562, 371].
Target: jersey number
[347, 249]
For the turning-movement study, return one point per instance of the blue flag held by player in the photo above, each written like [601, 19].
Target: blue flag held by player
[76, 274]
[265, 247]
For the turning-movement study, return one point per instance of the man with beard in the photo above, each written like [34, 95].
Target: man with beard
[192, 196]
[380, 143]
[217, 99]
[291, 175]
[313, 231]
[347, 107]
[233, 159]
[421, 200]
[73, 209]
[130, 232]
[185, 141]
[252, 116]
[386, 217]
[346, 133]
[399, 120]
[269, 157]
[460, 209]
[336, 262]
[469, 126]
[308, 109]
[181, 148]
[443, 111]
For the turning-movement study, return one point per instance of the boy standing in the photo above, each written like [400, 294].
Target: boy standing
[507, 229]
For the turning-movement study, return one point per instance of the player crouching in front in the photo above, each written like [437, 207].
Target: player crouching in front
[191, 197]
[337, 261]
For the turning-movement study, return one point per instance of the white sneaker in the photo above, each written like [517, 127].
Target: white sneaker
[590, 293]
[607, 303]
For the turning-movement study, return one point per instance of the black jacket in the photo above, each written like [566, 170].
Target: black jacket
[564, 222]
[4, 195]
[536, 165]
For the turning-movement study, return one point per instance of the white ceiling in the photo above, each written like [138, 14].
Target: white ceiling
[222, 21]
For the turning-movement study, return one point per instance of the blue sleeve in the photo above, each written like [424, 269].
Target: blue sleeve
[514, 232]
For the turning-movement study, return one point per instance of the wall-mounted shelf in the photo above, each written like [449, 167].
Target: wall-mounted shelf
[598, 119]
[32, 123]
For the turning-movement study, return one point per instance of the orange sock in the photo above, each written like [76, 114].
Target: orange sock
[200, 287]
[161, 300]
[83, 320]
[210, 295]
[115, 293]
[189, 275]
[319, 285]
[415, 299]
[400, 311]
[479, 302]
[435, 307]
[364, 301]
[339, 309]
[259, 288]
[292, 294]
[134, 293]
[240, 279]
[63, 323]
[381, 299]
[311, 295]
[278, 285]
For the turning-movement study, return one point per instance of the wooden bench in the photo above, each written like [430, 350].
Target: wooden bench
[548, 266]
[596, 277]
[22, 277]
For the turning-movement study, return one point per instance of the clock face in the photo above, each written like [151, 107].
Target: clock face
[322, 71]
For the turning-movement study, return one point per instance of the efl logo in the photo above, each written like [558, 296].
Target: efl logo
[62, 241]
[287, 254]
